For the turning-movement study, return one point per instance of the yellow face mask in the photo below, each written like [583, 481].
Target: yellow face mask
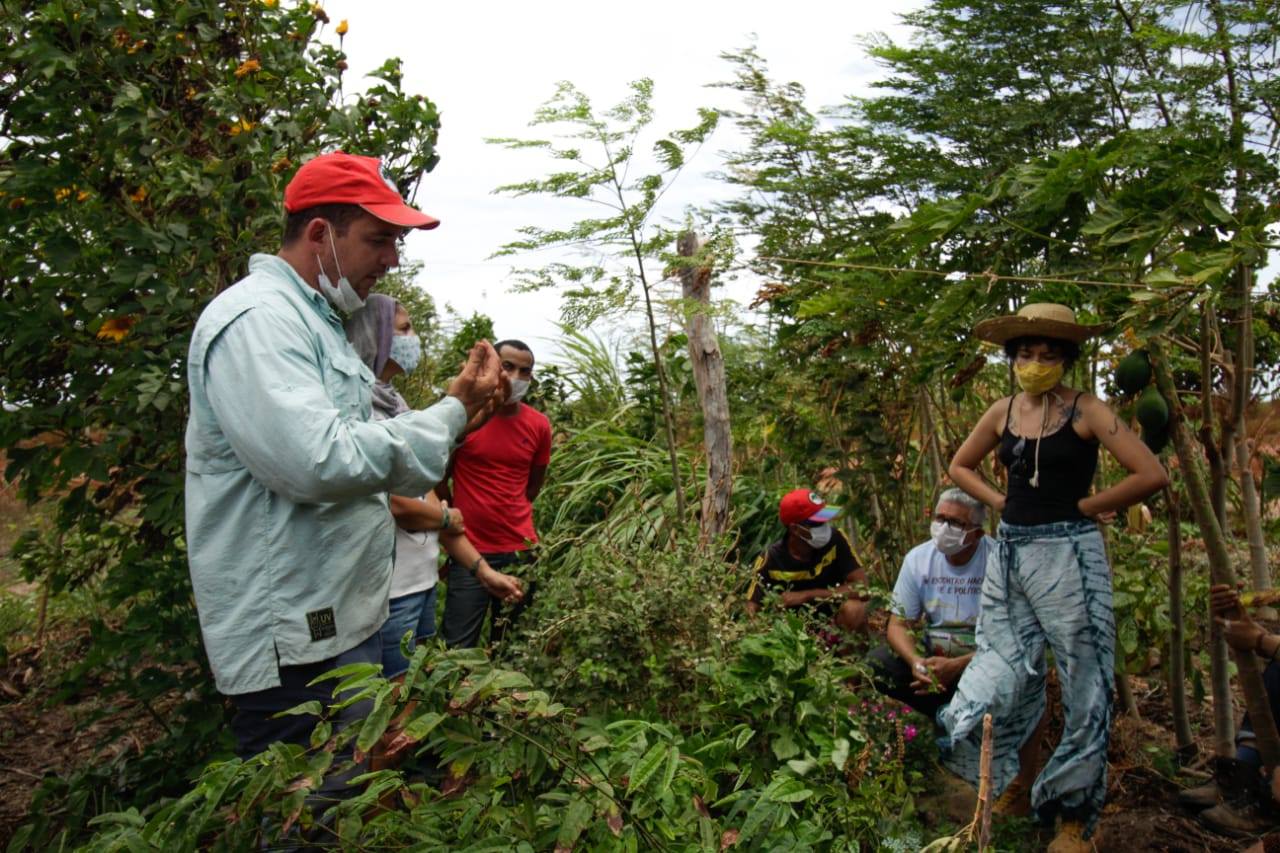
[1037, 378]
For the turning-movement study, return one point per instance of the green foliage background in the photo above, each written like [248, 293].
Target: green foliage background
[1119, 157]
[144, 149]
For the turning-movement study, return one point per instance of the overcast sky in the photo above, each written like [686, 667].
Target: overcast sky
[488, 66]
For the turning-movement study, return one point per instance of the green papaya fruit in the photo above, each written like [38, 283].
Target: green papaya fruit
[1156, 439]
[1133, 373]
[1153, 411]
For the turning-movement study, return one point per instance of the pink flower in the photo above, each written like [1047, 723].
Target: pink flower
[892, 715]
[909, 732]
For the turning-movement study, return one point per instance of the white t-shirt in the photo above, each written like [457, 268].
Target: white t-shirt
[417, 556]
[949, 596]
[417, 562]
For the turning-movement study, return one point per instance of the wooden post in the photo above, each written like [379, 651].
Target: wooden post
[1124, 690]
[713, 395]
[985, 798]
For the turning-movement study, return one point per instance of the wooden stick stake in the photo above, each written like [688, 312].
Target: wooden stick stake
[984, 785]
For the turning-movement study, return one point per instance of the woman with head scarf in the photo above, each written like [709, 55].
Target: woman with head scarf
[382, 335]
[1048, 582]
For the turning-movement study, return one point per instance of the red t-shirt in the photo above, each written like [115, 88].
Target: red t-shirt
[491, 474]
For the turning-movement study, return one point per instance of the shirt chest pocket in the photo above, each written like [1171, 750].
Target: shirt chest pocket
[350, 386]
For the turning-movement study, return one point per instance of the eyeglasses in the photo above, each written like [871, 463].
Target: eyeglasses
[958, 526]
[813, 523]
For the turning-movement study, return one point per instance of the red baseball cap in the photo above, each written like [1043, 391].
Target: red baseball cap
[803, 505]
[340, 178]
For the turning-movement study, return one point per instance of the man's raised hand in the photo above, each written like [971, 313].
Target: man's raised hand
[480, 381]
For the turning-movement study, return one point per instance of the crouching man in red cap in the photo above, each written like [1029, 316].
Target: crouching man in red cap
[289, 538]
[812, 565]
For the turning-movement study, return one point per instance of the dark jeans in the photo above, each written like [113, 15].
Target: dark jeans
[466, 602]
[256, 727]
[893, 678]
[1271, 681]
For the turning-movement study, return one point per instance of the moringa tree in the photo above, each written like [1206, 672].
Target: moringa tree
[602, 167]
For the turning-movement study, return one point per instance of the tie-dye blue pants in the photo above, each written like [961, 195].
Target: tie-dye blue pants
[1046, 583]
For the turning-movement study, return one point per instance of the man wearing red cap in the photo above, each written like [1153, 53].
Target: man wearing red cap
[289, 536]
[812, 565]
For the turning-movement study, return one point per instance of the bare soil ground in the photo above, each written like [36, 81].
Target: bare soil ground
[38, 738]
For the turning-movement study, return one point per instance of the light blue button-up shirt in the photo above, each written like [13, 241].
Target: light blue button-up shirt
[289, 536]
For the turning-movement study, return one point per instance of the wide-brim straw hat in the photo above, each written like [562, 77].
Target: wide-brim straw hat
[1040, 320]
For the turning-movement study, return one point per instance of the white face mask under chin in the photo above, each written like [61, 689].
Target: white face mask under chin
[341, 296]
[819, 536]
[946, 538]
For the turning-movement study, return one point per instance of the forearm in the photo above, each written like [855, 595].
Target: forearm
[973, 483]
[460, 549]
[413, 514]
[1129, 491]
[902, 641]
[1268, 646]
[280, 421]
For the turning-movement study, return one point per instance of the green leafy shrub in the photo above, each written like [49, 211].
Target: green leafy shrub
[776, 759]
[619, 626]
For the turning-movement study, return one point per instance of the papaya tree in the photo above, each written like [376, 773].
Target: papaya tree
[1129, 173]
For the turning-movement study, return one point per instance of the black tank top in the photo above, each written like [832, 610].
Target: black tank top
[1067, 464]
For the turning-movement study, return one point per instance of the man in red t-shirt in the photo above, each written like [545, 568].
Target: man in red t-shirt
[496, 473]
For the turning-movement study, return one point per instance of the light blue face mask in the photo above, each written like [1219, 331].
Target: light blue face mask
[342, 296]
[819, 536]
[406, 351]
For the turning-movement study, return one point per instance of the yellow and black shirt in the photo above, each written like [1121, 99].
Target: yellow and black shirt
[776, 569]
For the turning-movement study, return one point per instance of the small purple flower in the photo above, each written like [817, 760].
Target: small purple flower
[909, 732]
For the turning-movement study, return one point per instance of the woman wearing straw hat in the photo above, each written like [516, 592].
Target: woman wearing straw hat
[1048, 581]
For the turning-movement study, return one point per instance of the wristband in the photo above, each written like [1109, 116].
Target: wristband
[475, 567]
[444, 522]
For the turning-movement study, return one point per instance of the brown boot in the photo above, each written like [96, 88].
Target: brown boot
[1070, 839]
[1247, 809]
[1201, 797]
[1246, 821]
[1231, 780]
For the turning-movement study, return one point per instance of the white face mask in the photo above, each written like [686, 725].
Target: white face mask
[819, 536]
[406, 351]
[341, 296]
[947, 539]
[519, 387]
